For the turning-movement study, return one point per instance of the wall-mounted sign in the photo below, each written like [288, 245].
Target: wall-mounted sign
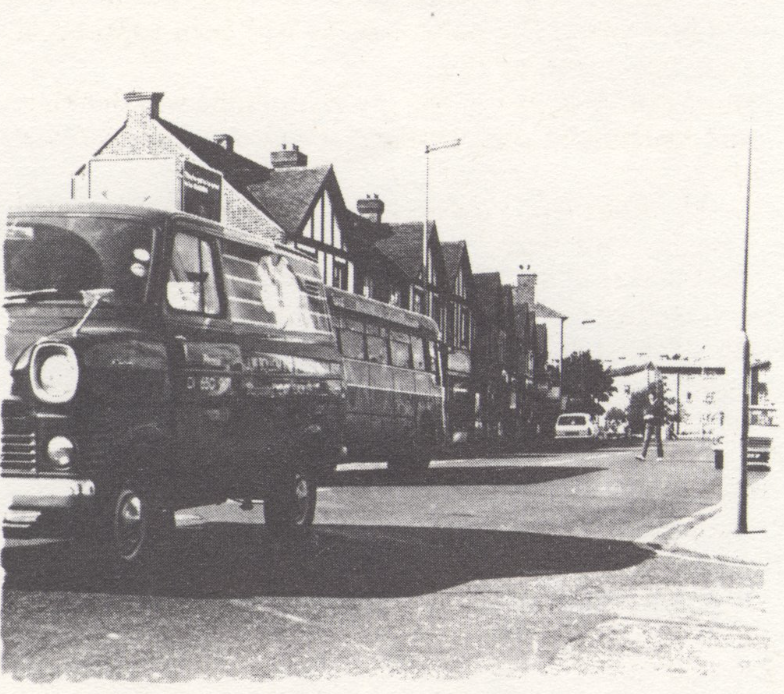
[201, 191]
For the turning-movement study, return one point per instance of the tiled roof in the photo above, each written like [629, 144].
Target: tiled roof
[453, 254]
[285, 195]
[404, 247]
[289, 194]
[543, 311]
[229, 163]
[630, 369]
[488, 291]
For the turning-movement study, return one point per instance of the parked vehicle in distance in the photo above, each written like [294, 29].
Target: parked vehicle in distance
[576, 426]
[161, 361]
[762, 429]
[615, 430]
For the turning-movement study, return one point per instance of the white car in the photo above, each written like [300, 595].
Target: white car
[576, 426]
[762, 428]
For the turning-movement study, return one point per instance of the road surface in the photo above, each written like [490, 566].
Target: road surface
[516, 564]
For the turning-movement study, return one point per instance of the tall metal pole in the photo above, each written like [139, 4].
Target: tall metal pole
[734, 480]
[746, 242]
[425, 268]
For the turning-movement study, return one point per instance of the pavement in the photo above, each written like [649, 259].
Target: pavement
[711, 531]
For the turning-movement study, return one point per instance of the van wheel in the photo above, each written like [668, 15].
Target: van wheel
[136, 527]
[291, 505]
[718, 459]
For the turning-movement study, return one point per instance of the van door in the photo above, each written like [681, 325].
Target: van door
[205, 357]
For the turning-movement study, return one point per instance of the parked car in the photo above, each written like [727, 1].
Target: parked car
[576, 426]
[762, 428]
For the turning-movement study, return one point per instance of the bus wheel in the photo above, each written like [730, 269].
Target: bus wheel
[416, 459]
[718, 459]
[291, 504]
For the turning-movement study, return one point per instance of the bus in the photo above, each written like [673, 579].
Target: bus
[394, 382]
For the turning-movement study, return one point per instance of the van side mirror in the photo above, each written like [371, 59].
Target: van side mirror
[94, 296]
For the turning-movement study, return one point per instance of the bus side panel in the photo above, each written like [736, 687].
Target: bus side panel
[382, 408]
[405, 406]
[358, 410]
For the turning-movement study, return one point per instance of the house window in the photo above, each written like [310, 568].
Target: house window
[419, 301]
[367, 287]
[339, 274]
[394, 297]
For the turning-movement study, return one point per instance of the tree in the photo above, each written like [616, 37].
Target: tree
[586, 383]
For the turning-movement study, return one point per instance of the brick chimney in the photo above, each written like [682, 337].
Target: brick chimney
[287, 158]
[143, 106]
[525, 291]
[224, 140]
[371, 208]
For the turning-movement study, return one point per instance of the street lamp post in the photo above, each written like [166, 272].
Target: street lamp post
[734, 482]
[428, 149]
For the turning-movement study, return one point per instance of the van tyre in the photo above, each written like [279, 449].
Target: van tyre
[290, 508]
[136, 528]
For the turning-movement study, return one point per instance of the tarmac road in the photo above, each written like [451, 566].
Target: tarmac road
[511, 565]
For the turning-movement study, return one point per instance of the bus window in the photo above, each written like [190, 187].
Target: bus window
[435, 362]
[352, 344]
[418, 348]
[400, 349]
[377, 349]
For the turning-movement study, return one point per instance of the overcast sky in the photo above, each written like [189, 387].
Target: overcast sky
[604, 143]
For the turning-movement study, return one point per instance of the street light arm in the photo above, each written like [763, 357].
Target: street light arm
[442, 145]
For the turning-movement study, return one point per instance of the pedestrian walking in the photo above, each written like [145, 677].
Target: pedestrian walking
[653, 414]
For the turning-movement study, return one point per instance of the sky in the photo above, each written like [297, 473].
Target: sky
[605, 144]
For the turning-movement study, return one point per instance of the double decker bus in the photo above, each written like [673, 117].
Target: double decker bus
[394, 382]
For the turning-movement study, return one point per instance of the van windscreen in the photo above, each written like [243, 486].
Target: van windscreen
[60, 256]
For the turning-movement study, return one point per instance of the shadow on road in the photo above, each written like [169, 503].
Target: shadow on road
[343, 561]
[456, 476]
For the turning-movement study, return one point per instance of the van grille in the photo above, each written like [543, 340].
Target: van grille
[17, 443]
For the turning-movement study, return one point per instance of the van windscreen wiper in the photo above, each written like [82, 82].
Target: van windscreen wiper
[38, 294]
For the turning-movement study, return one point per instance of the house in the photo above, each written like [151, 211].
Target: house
[496, 356]
[692, 391]
[150, 160]
[543, 399]
[459, 339]
[419, 277]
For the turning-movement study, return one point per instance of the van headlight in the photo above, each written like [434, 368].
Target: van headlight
[54, 373]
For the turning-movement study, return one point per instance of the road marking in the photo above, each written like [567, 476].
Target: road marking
[657, 533]
[704, 558]
[272, 611]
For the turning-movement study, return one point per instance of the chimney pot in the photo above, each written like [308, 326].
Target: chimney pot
[143, 105]
[287, 158]
[371, 208]
[224, 140]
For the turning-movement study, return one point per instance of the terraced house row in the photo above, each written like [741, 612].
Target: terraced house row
[501, 380]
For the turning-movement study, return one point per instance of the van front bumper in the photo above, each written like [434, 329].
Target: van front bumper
[24, 499]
